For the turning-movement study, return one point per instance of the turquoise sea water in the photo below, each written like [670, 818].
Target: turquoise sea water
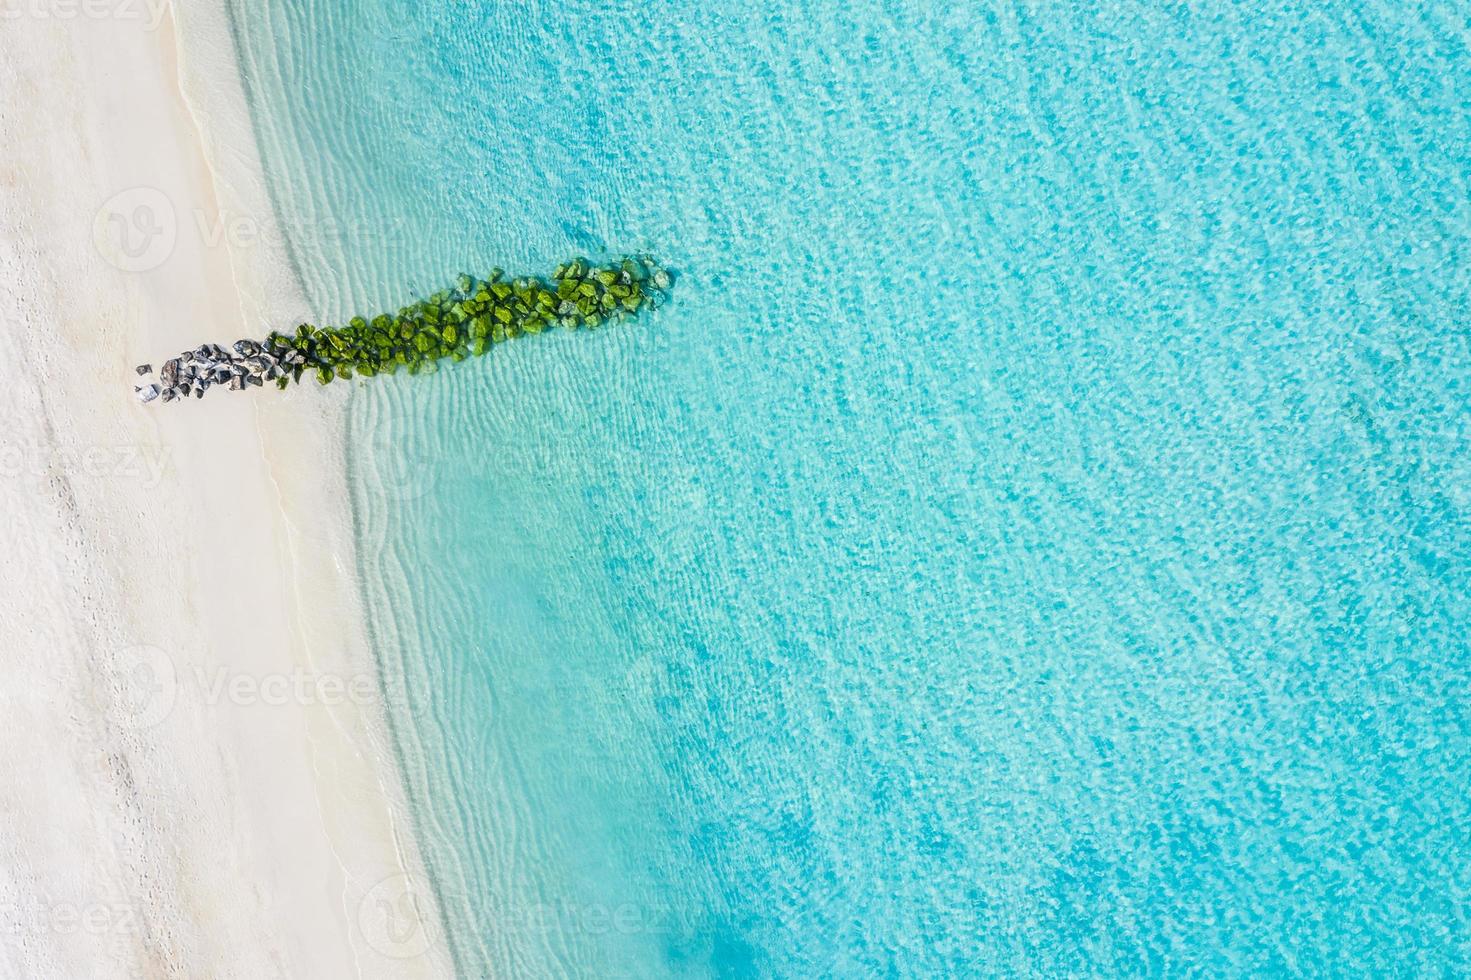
[1036, 538]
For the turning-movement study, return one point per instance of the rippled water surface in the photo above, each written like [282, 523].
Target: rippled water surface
[1035, 539]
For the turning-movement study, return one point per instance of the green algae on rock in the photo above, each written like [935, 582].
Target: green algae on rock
[467, 320]
[463, 321]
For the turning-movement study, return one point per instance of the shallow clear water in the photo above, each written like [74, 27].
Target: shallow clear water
[1036, 537]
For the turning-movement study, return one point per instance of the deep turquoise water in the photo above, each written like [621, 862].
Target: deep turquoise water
[1034, 541]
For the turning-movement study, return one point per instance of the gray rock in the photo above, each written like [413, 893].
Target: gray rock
[169, 394]
[254, 379]
[170, 373]
[146, 393]
[143, 369]
[237, 383]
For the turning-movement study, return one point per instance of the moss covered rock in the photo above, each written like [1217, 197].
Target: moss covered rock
[469, 319]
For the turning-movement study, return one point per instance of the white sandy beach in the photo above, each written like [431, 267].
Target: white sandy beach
[197, 776]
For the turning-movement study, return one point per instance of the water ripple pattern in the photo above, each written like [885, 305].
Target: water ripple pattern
[1034, 541]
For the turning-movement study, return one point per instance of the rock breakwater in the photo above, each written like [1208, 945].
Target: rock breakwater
[464, 321]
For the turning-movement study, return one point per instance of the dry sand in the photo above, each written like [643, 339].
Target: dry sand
[197, 777]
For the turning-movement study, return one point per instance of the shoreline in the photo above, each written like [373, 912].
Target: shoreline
[239, 812]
